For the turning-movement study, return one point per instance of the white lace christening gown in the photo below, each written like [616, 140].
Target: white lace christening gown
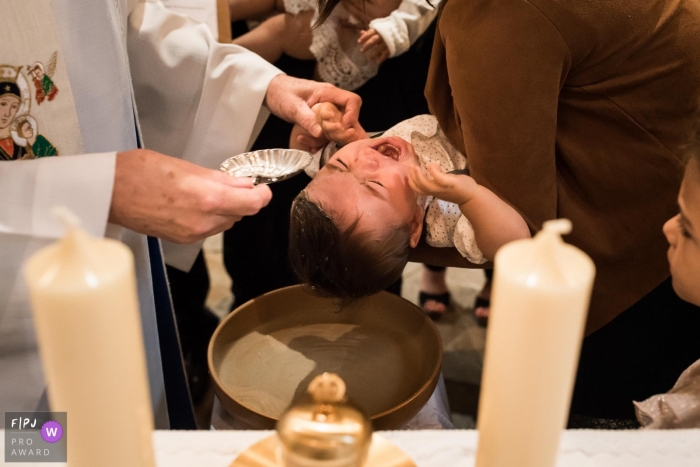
[335, 47]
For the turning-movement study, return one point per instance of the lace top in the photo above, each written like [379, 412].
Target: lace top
[334, 43]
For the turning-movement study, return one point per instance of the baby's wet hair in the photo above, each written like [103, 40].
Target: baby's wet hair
[346, 265]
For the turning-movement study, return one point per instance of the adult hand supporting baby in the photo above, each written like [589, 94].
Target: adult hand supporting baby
[179, 201]
[291, 99]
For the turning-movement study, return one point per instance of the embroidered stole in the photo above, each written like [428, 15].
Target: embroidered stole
[38, 117]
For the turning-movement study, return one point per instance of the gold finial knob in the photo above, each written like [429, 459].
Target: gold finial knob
[325, 430]
[328, 388]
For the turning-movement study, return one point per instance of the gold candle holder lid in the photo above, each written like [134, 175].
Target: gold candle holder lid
[324, 431]
[327, 426]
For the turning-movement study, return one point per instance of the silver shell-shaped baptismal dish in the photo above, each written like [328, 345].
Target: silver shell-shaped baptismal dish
[267, 165]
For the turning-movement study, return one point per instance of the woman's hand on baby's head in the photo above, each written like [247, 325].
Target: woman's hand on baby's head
[373, 46]
[457, 189]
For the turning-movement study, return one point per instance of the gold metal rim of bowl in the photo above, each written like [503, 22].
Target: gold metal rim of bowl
[382, 453]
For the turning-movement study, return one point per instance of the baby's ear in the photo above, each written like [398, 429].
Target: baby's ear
[416, 227]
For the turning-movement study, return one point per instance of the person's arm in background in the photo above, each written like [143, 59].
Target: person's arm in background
[394, 34]
[507, 64]
[204, 101]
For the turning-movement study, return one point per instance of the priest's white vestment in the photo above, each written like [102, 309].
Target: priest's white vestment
[121, 71]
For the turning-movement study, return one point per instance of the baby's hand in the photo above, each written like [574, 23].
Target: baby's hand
[373, 46]
[456, 189]
[301, 139]
[330, 118]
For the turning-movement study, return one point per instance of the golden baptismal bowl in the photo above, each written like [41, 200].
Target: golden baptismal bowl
[264, 354]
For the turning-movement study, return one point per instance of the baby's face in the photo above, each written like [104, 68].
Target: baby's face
[683, 234]
[369, 179]
[26, 130]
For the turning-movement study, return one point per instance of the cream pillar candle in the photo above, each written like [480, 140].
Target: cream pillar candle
[86, 315]
[541, 293]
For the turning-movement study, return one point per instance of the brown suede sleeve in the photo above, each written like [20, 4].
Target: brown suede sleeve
[510, 66]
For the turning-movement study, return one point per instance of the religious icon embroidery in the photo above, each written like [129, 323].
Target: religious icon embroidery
[45, 87]
[25, 133]
[19, 131]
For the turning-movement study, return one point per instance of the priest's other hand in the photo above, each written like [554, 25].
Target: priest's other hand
[179, 201]
[291, 99]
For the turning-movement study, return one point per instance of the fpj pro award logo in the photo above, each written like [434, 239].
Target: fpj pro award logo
[36, 436]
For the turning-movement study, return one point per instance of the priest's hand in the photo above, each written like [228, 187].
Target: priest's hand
[291, 99]
[179, 201]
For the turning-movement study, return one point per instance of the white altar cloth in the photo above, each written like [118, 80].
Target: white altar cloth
[448, 448]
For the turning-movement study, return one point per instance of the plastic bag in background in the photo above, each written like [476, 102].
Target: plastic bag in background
[679, 408]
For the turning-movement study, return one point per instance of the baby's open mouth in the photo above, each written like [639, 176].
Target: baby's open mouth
[389, 150]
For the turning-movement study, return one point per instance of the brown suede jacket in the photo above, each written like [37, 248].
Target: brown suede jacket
[576, 109]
